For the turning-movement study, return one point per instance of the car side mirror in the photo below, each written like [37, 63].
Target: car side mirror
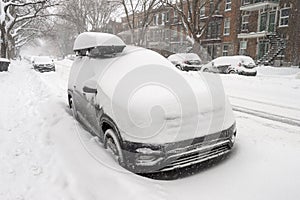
[90, 86]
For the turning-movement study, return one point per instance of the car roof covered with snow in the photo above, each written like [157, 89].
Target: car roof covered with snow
[89, 40]
[232, 60]
[180, 57]
[42, 60]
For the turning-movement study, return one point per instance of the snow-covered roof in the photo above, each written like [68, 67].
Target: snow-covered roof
[94, 39]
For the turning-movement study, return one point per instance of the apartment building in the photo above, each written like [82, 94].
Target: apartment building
[266, 30]
[269, 30]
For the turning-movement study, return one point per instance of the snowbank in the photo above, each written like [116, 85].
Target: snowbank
[271, 71]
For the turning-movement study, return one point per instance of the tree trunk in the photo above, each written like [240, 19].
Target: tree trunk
[3, 44]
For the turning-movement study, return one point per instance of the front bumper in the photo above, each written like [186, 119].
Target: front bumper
[44, 69]
[247, 72]
[170, 156]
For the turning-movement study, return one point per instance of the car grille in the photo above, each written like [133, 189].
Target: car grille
[197, 155]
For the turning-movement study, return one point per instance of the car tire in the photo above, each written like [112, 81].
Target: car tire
[231, 72]
[112, 144]
[205, 70]
[72, 107]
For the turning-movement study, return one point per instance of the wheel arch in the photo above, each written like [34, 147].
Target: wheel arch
[106, 123]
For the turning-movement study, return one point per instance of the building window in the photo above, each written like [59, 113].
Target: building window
[227, 5]
[154, 20]
[284, 16]
[214, 29]
[227, 26]
[225, 49]
[245, 21]
[167, 16]
[174, 35]
[163, 19]
[245, 2]
[243, 47]
[211, 6]
[202, 10]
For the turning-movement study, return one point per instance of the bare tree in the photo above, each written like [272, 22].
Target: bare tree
[139, 15]
[189, 14]
[88, 15]
[15, 16]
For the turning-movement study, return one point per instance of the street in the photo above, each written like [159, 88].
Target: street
[43, 150]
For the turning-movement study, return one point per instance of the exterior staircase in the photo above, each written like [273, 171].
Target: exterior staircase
[278, 45]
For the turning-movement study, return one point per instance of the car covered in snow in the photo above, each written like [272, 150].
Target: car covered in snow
[43, 63]
[149, 115]
[186, 61]
[243, 65]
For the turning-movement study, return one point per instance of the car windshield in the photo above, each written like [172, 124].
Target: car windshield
[194, 62]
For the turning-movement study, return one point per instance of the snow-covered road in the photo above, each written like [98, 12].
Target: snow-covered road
[45, 154]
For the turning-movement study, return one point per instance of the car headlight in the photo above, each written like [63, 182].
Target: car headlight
[148, 157]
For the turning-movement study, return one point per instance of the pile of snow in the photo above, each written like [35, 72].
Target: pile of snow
[297, 75]
[277, 71]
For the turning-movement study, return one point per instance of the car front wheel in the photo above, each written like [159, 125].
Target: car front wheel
[111, 143]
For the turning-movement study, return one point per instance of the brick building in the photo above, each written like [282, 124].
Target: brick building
[266, 30]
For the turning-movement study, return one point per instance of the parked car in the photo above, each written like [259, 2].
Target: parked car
[43, 63]
[243, 65]
[110, 88]
[186, 61]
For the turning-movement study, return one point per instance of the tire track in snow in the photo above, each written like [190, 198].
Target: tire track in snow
[265, 103]
[266, 115]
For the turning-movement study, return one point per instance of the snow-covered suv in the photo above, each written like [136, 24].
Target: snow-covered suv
[148, 114]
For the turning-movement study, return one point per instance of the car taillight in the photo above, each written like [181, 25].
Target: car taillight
[186, 62]
[239, 64]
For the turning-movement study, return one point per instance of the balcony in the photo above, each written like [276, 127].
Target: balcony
[253, 5]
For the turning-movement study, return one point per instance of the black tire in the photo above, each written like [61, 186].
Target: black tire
[205, 70]
[231, 72]
[72, 107]
[111, 142]
[179, 67]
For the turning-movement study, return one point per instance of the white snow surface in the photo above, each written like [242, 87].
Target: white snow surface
[46, 154]
[94, 39]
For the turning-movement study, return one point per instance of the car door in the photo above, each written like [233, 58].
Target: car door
[86, 92]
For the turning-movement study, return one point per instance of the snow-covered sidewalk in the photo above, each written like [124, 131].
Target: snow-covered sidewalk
[46, 154]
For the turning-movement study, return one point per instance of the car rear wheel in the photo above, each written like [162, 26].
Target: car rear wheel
[111, 143]
[205, 70]
[232, 72]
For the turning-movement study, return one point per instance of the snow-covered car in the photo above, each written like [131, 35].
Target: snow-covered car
[186, 61]
[243, 65]
[120, 94]
[43, 63]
